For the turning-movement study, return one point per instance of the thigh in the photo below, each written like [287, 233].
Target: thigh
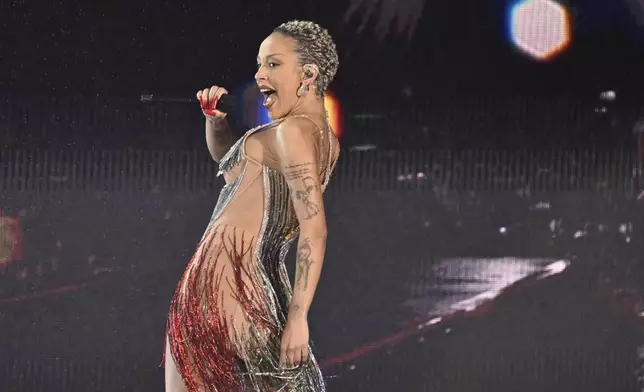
[173, 380]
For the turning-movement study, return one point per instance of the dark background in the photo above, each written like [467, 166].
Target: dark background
[126, 47]
[428, 73]
[478, 152]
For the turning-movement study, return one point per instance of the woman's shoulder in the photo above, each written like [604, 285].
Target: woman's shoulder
[297, 124]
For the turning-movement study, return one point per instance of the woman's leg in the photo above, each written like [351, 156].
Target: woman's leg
[173, 380]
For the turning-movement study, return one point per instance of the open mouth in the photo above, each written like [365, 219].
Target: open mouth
[269, 96]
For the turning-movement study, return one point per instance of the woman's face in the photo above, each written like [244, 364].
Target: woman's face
[279, 74]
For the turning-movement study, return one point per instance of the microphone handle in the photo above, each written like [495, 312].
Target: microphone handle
[226, 103]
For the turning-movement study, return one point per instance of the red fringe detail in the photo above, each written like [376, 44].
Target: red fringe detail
[198, 330]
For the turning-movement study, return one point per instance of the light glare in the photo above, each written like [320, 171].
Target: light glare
[540, 28]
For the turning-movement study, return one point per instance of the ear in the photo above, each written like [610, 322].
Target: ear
[311, 72]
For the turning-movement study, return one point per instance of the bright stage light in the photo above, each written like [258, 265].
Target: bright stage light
[540, 28]
[335, 113]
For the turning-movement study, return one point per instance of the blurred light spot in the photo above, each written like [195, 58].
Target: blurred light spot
[555, 268]
[552, 225]
[539, 28]
[609, 95]
[469, 283]
[363, 147]
[433, 321]
[626, 228]
[542, 205]
[332, 105]
[503, 230]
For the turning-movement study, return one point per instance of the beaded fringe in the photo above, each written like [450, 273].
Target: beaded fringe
[198, 329]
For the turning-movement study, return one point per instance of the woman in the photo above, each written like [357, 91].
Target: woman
[235, 323]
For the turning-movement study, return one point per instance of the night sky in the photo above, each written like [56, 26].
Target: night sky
[127, 47]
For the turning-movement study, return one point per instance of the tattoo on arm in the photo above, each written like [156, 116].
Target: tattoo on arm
[298, 171]
[308, 187]
[304, 262]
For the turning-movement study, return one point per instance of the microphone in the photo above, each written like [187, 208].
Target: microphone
[226, 103]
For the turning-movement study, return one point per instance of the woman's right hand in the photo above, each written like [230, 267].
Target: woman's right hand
[208, 99]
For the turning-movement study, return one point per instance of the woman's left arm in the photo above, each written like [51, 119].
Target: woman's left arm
[298, 157]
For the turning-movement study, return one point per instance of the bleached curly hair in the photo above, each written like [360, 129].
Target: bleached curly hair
[313, 45]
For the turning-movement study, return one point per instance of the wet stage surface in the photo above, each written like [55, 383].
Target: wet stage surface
[472, 292]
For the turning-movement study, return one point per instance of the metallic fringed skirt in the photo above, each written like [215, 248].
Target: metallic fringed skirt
[218, 351]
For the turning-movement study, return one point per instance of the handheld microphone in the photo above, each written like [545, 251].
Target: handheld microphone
[226, 103]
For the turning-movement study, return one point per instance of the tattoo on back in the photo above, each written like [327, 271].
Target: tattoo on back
[304, 262]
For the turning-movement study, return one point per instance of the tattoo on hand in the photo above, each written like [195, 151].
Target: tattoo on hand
[304, 262]
[304, 195]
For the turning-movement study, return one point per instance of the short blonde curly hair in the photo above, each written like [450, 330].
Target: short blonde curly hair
[313, 45]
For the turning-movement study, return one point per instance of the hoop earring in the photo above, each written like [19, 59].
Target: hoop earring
[302, 91]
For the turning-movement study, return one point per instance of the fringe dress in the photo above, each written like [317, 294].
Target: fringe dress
[229, 311]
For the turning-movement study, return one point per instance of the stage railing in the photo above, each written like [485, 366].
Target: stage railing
[193, 170]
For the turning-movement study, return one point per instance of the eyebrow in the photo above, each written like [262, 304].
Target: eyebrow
[271, 55]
